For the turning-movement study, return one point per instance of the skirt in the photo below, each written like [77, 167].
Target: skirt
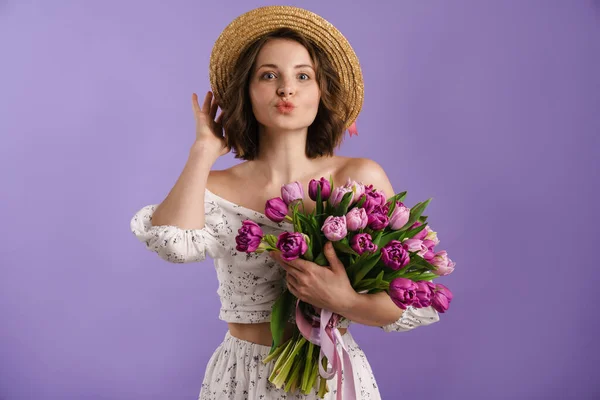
[236, 371]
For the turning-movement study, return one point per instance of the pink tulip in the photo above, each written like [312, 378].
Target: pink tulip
[335, 228]
[444, 265]
[356, 219]
[399, 216]
[292, 192]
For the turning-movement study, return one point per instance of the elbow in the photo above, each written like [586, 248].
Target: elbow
[178, 252]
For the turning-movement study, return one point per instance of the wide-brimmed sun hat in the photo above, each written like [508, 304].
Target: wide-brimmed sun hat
[248, 27]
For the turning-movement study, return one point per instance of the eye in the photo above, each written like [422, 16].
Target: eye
[268, 75]
[303, 77]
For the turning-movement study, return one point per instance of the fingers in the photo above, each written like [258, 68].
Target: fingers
[195, 105]
[207, 102]
[287, 265]
[292, 284]
[332, 258]
[213, 110]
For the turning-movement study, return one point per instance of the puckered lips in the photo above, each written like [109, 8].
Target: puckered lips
[285, 107]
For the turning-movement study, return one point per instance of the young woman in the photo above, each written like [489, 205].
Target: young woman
[288, 85]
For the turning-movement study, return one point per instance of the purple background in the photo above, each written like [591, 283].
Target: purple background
[491, 108]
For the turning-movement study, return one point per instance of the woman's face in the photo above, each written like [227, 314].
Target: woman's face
[283, 88]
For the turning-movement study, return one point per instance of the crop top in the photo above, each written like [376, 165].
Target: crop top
[249, 284]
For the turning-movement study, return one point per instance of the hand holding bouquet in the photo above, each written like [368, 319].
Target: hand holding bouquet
[383, 245]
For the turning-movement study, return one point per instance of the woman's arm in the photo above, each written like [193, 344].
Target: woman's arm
[375, 309]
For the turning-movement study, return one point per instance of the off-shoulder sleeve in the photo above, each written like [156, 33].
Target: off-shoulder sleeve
[413, 318]
[177, 245]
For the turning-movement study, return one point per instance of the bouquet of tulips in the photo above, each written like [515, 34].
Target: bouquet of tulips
[383, 245]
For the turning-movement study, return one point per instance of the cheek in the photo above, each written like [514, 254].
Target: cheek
[257, 100]
[315, 97]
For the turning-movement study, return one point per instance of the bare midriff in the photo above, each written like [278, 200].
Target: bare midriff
[261, 333]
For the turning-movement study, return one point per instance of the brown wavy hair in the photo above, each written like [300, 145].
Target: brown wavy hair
[241, 127]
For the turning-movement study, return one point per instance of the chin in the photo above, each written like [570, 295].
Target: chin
[289, 125]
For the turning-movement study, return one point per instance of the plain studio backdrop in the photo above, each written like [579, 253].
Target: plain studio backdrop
[489, 107]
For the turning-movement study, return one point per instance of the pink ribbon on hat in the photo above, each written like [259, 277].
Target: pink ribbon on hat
[352, 129]
[327, 336]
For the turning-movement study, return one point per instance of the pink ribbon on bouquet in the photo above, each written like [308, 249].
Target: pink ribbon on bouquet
[327, 337]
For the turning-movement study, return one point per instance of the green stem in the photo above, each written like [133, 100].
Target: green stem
[281, 359]
[308, 363]
[275, 353]
[281, 376]
[292, 383]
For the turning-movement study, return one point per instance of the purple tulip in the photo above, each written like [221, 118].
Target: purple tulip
[425, 291]
[442, 296]
[394, 255]
[249, 237]
[292, 245]
[292, 192]
[338, 194]
[377, 217]
[325, 189]
[444, 265]
[403, 292]
[335, 228]
[373, 198]
[276, 209]
[362, 242]
[356, 219]
[399, 216]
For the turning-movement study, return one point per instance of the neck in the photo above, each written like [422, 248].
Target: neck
[282, 157]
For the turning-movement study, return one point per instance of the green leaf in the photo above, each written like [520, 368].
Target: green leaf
[391, 209]
[271, 240]
[377, 238]
[362, 200]
[351, 269]
[281, 312]
[397, 197]
[415, 213]
[364, 269]
[343, 248]
[342, 208]
[388, 237]
[391, 274]
[310, 228]
[411, 233]
[321, 259]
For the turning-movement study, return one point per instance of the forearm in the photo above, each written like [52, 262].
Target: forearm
[184, 205]
[371, 309]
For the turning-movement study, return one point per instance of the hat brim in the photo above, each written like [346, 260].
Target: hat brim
[249, 27]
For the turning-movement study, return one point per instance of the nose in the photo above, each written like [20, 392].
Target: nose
[286, 90]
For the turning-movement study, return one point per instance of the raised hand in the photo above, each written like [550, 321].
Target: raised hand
[209, 131]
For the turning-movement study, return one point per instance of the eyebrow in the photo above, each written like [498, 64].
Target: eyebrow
[296, 66]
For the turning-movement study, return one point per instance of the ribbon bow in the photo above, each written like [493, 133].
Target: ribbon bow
[327, 336]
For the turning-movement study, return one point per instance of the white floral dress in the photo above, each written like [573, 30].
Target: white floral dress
[249, 284]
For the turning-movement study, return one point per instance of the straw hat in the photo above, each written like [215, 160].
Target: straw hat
[248, 27]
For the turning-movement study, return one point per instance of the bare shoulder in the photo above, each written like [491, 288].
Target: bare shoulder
[366, 171]
[220, 181]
